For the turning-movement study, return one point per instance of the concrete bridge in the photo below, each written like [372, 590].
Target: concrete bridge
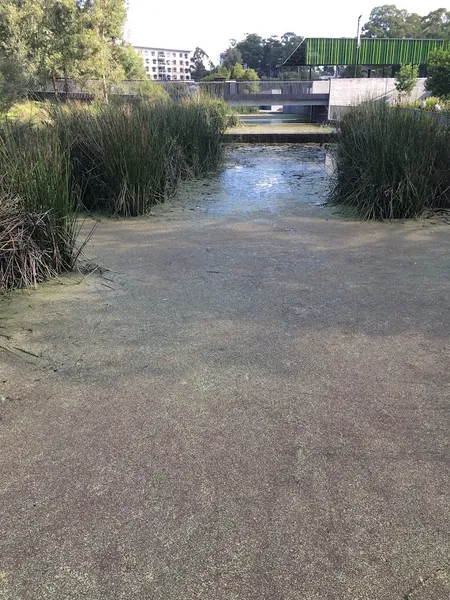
[271, 93]
[235, 93]
[328, 99]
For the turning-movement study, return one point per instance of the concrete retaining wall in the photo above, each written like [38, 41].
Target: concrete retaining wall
[347, 92]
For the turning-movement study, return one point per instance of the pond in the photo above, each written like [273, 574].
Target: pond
[264, 179]
[272, 119]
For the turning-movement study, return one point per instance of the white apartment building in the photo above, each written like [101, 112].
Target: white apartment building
[165, 64]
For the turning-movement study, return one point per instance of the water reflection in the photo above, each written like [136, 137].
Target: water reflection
[266, 179]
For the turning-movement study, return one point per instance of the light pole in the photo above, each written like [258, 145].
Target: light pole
[358, 41]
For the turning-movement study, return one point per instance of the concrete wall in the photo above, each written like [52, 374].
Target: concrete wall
[321, 86]
[347, 92]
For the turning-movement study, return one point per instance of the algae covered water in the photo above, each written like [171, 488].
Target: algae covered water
[264, 179]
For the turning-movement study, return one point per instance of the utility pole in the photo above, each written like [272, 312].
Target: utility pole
[358, 42]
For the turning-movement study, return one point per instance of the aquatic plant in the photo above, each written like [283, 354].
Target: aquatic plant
[390, 162]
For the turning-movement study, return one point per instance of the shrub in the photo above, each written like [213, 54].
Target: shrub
[406, 79]
[391, 162]
[429, 104]
[30, 112]
[13, 82]
[34, 246]
[438, 80]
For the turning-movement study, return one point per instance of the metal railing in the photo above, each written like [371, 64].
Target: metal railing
[246, 90]
[263, 92]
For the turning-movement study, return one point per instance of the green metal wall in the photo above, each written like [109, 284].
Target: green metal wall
[381, 51]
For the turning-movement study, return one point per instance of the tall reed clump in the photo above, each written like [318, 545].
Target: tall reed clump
[37, 228]
[391, 163]
[126, 157]
[116, 158]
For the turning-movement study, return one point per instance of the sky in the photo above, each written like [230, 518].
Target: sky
[210, 25]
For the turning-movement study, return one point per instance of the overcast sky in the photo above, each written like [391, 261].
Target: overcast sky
[210, 25]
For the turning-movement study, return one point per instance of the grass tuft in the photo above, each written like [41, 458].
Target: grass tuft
[118, 158]
[126, 157]
[391, 163]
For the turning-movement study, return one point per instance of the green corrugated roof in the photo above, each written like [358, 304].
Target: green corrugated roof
[375, 52]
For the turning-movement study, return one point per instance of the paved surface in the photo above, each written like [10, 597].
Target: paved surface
[281, 128]
[243, 407]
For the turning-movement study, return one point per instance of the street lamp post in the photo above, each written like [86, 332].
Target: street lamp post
[357, 42]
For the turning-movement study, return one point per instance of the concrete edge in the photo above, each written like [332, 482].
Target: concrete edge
[280, 138]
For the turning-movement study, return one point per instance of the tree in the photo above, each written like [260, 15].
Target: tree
[237, 71]
[131, 61]
[392, 22]
[349, 72]
[69, 39]
[104, 22]
[59, 44]
[252, 51]
[220, 72]
[13, 82]
[273, 52]
[406, 79]
[300, 74]
[438, 80]
[436, 25]
[230, 57]
[264, 56]
[20, 22]
[290, 41]
[198, 69]
[288, 36]
[250, 75]
[19, 27]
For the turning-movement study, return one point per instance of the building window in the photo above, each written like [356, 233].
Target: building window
[186, 70]
[174, 62]
[155, 76]
[186, 56]
[153, 54]
[168, 70]
[174, 54]
[174, 69]
[167, 62]
[181, 55]
[187, 76]
[154, 61]
[174, 76]
[181, 76]
[153, 69]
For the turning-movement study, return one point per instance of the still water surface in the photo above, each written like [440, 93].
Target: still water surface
[258, 180]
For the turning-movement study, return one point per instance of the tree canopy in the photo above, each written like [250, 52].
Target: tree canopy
[198, 68]
[392, 22]
[438, 81]
[263, 55]
[69, 39]
[406, 79]
[436, 25]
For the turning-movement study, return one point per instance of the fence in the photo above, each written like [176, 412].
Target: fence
[221, 89]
